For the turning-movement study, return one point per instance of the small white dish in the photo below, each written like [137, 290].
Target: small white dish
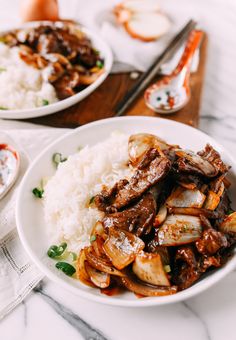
[106, 53]
[9, 168]
[29, 211]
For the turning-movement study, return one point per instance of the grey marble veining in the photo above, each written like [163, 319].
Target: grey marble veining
[86, 330]
[199, 318]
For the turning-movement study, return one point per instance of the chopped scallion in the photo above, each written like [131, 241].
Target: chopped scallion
[56, 251]
[93, 238]
[57, 158]
[73, 256]
[167, 268]
[100, 63]
[38, 192]
[91, 200]
[45, 102]
[67, 268]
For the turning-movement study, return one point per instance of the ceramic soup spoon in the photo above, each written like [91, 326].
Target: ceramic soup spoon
[172, 92]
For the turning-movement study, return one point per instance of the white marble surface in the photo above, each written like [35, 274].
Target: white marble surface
[52, 313]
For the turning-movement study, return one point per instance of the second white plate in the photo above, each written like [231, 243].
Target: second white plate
[105, 52]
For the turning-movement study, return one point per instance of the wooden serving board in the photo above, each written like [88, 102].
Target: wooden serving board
[100, 103]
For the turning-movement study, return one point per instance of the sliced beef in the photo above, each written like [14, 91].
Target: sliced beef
[211, 242]
[186, 270]
[213, 157]
[224, 205]
[66, 84]
[216, 183]
[151, 170]
[104, 199]
[138, 219]
[48, 43]
[47, 39]
[205, 222]
[154, 247]
[189, 181]
[209, 261]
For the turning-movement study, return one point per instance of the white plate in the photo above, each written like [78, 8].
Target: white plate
[105, 52]
[29, 211]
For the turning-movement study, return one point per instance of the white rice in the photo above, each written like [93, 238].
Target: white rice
[22, 86]
[68, 215]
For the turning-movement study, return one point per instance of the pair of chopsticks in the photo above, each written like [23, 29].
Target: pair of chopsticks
[148, 76]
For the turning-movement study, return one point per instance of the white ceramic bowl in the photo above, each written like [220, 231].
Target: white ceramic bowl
[29, 211]
[105, 52]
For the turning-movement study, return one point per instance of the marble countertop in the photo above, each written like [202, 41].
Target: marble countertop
[50, 312]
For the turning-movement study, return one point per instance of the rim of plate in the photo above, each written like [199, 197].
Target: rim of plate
[64, 103]
[148, 301]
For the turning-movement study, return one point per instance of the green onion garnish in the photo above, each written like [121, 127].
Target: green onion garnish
[56, 251]
[93, 238]
[91, 200]
[167, 268]
[3, 108]
[38, 192]
[67, 268]
[229, 212]
[45, 102]
[96, 51]
[57, 158]
[100, 64]
[73, 256]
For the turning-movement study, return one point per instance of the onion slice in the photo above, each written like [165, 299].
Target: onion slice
[148, 267]
[97, 245]
[196, 160]
[181, 197]
[134, 285]
[121, 247]
[213, 199]
[81, 272]
[88, 79]
[179, 229]
[161, 216]
[98, 229]
[101, 264]
[99, 279]
[196, 212]
[140, 143]
[229, 224]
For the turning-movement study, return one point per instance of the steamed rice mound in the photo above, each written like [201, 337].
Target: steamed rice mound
[68, 214]
[22, 86]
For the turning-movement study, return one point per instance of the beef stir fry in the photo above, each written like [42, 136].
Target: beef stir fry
[164, 227]
[65, 53]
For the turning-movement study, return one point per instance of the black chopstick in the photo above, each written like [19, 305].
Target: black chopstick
[147, 76]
